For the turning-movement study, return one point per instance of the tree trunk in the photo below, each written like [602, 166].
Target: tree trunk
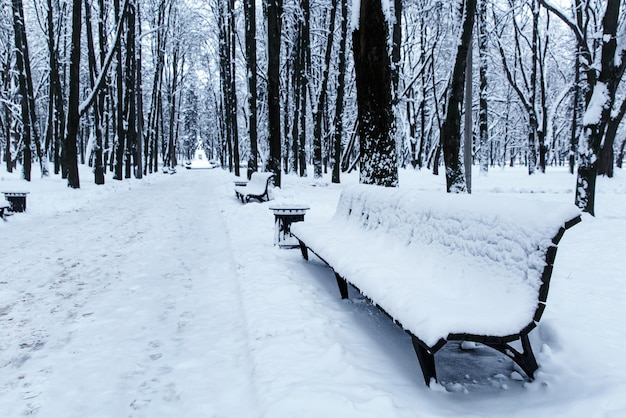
[233, 87]
[70, 152]
[620, 156]
[451, 129]
[598, 112]
[338, 122]
[120, 128]
[250, 17]
[56, 111]
[131, 88]
[483, 113]
[140, 138]
[606, 158]
[575, 117]
[274, 11]
[305, 52]
[468, 134]
[396, 44]
[98, 127]
[378, 155]
[20, 60]
[321, 102]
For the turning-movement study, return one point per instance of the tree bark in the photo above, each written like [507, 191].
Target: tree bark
[274, 11]
[378, 155]
[233, 87]
[250, 17]
[21, 63]
[451, 129]
[598, 112]
[70, 152]
[338, 121]
[483, 113]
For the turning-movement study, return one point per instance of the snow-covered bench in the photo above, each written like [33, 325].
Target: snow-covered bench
[445, 267]
[256, 188]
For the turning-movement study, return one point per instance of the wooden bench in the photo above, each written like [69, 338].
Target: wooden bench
[17, 200]
[445, 267]
[256, 188]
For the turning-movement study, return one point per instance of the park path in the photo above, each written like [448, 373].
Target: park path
[127, 307]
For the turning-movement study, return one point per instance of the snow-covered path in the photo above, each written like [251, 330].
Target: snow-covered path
[132, 310]
[165, 297]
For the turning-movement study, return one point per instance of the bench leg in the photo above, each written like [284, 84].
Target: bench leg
[304, 250]
[525, 359]
[427, 361]
[343, 286]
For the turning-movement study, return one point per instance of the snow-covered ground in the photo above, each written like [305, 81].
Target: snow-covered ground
[165, 297]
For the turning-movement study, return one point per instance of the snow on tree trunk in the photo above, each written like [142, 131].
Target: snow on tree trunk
[378, 155]
[598, 112]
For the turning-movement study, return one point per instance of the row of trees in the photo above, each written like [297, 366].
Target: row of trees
[537, 103]
[87, 95]
[131, 86]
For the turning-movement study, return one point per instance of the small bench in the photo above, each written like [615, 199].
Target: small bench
[445, 266]
[256, 188]
[17, 200]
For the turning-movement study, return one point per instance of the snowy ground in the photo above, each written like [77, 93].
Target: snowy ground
[165, 297]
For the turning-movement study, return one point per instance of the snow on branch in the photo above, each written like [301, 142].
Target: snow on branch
[86, 104]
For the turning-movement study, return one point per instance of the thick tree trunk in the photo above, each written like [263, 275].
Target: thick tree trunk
[378, 155]
[70, 152]
[274, 11]
[598, 113]
[131, 89]
[20, 60]
[606, 158]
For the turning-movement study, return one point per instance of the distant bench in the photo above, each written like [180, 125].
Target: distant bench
[17, 200]
[256, 188]
[445, 267]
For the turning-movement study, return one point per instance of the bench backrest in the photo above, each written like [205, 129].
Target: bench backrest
[517, 235]
[260, 178]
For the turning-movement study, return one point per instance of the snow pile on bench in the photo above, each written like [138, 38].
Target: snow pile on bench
[439, 263]
[256, 188]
